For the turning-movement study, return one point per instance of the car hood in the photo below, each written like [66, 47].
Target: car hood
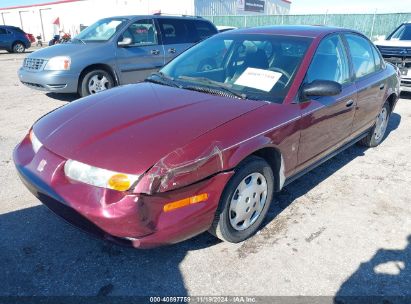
[65, 49]
[128, 129]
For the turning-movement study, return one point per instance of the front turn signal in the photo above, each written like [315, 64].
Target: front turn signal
[185, 202]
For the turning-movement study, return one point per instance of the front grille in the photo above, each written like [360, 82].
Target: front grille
[77, 220]
[33, 64]
[400, 51]
[405, 83]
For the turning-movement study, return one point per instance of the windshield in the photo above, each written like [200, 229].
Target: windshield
[102, 30]
[402, 33]
[258, 67]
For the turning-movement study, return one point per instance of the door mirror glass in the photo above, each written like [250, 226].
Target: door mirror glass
[125, 42]
[321, 88]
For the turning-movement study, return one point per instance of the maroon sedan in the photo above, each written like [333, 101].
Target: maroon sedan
[205, 143]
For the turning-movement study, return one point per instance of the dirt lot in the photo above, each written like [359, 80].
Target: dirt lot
[345, 228]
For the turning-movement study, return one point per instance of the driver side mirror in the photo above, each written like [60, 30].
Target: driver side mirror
[125, 42]
[321, 88]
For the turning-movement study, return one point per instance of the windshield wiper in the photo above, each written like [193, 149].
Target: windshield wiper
[219, 85]
[163, 79]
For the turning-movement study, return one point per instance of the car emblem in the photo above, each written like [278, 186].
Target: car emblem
[41, 165]
[404, 52]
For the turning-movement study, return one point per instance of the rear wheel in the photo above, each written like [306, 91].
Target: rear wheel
[18, 47]
[377, 133]
[95, 81]
[244, 202]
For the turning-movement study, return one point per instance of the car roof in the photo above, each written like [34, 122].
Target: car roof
[130, 17]
[312, 31]
[9, 26]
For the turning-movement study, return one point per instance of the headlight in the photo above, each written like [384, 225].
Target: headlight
[60, 63]
[98, 177]
[35, 142]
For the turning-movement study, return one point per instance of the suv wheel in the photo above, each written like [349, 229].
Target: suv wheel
[244, 202]
[18, 47]
[376, 134]
[96, 81]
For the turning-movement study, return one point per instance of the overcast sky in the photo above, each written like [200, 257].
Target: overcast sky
[305, 6]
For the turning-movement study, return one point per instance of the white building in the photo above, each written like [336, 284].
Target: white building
[39, 19]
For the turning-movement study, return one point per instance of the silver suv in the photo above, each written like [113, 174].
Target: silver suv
[396, 49]
[113, 51]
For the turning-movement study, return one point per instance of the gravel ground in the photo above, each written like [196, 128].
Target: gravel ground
[342, 229]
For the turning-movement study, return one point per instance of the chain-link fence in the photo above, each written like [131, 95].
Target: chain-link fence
[372, 25]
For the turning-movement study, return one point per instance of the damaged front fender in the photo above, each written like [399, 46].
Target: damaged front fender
[182, 167]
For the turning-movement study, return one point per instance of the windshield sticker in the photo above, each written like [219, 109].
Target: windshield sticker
[258, 79]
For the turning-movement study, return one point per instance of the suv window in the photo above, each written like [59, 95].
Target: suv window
[142, 32]
[3, 31]
[361, 54]
[175, 31]
[329, 62]
[204, 29]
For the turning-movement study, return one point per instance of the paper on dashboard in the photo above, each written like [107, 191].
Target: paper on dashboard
[258, 79]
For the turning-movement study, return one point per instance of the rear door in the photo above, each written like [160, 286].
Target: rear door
[370, 80]
[144, 56]
[329, 125]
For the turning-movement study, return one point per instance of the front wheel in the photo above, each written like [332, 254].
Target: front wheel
[95, 81]
[244, 202]
[376, 134]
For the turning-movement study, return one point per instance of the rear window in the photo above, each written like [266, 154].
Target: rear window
[18, 30]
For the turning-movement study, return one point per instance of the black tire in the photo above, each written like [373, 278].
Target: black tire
[18, 47]
[84, 84]
[374, 138]
[221, 226]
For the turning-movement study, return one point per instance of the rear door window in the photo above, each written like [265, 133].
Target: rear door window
[175, 31]
[361, 54]
[377, 58]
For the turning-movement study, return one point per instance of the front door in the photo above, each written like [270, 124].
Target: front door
[144, 56]
[326, 121]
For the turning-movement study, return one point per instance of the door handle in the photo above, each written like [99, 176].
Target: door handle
[171, 50]
[349, 103]
[155, 52]
[382, 86]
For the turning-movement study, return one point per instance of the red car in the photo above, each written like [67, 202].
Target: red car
[193, 149]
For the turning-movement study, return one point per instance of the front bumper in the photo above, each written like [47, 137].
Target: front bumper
[50, 81]
[405, 85]
[122, 217]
